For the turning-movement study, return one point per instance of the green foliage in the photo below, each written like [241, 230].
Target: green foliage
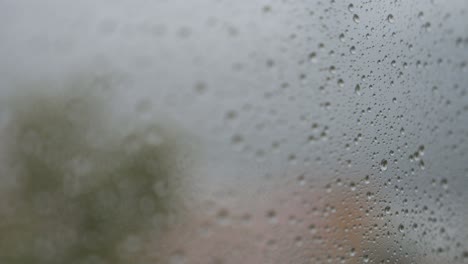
[85, 181]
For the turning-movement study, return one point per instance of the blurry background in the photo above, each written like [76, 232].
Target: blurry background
[303, 131]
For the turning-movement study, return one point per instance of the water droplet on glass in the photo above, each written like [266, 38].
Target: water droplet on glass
[357, 89]
[356, 18]
[313, 57]
[342, 37]
[271, 215]
[387, 209]
[312, 229]
[421, 15]
[340, 82]
[383, 165]
[401, 228]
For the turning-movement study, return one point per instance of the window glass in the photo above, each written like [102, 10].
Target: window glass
[215, 131]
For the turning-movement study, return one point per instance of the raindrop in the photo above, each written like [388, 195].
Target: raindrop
[401, 228]
[444, 183]
[271, 215]
[387, 209]
[427, 26]
[356, 18]
[340, 82]
[222, 217]
[342, 37]
[357, 89]
[312, 229]
[421, 164]
[313, 57]
[421, 15]
[383, 165]
[367, 179]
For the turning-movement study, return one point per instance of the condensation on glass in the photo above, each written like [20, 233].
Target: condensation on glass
[215, 131]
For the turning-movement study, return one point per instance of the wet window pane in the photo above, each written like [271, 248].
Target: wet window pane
[214, 131]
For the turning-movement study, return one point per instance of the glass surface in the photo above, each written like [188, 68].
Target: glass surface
[215, 131]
